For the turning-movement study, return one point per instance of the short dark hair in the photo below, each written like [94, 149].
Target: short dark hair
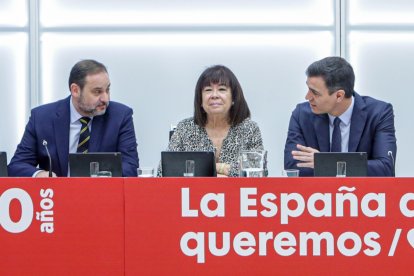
[336, 72]
[84, 68]
[219, 74]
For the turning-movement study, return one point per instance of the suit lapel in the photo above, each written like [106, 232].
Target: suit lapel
[358, 120]
[321, 126]
[61, 133]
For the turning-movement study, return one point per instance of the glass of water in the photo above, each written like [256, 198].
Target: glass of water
[104, 174]
[290, 173]
[252, 163]
[189, 168]
[93, 169]
[341, 169]
[146, 172]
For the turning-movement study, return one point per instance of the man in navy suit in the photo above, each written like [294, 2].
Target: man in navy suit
[364, 125]
[108, 125]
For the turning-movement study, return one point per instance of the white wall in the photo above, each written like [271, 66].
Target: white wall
[14, 89]
[156, 50]
[379, 39]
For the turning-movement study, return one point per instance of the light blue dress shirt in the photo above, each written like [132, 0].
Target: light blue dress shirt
[345, 126]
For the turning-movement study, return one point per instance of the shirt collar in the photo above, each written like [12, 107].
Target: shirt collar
[346, 116]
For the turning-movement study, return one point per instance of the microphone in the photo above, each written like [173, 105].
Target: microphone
[393, 162]
[48, 155]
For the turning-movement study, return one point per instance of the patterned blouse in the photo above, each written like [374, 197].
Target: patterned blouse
[188, 136]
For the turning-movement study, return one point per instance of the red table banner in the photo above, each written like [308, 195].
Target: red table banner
[271, 226]
[207, 226]
[61, 226]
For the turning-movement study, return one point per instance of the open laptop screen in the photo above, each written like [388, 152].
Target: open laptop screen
[79, 163]
[3, 164]
[173, 163]
[326, 163]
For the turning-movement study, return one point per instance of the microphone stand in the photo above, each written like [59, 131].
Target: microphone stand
[50, 158]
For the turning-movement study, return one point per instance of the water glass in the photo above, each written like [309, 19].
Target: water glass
[253, 163]
[93, 169]
[104, 174]
[189, 168]
[146, 172]
[341, 169]
[290, 173]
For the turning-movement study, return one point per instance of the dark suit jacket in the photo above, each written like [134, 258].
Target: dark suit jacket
[372, 131]
[111, 132]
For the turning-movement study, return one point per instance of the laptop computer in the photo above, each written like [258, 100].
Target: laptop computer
[173, 163]
[79, 163]
[326, 163]
[3, 164]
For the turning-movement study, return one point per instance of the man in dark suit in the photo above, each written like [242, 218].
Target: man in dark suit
[337, 119]
[86, 121]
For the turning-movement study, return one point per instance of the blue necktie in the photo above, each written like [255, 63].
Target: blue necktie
[336, 136]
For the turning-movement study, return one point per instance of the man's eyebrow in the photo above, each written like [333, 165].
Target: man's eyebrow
[313, 90]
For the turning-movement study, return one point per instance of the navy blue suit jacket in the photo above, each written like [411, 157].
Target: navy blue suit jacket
[372, 131]
[111, 132]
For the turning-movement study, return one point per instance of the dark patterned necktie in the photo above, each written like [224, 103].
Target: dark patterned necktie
[84, 136]
[336, 136]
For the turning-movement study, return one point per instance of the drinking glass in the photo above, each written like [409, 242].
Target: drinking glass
[189, 168]
[146, 172]
[252, 163]
[290, 173]
[104, 174]
[93, 169]
[340, 169]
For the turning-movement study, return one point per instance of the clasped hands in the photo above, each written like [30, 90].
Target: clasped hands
[223, 169]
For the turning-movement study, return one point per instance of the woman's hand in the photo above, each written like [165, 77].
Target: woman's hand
[223, 169]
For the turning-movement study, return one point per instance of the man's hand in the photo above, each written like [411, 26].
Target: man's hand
[304, 155]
